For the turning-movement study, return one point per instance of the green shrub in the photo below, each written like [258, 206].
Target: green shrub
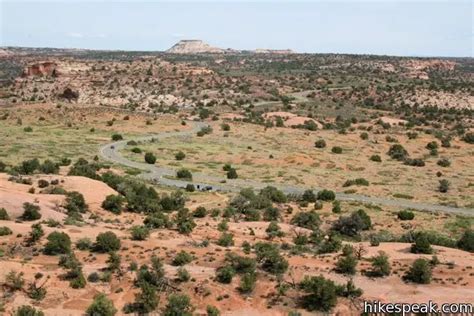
[358, 181]
[204, 130]
[200, 212]
[36, 233]
[349, 290]
[172, 202]
[397, 152]
[273, 230]
[58, 243]
[146, 301]
[353, 224]
[180, 155]
[85, 169]
[417, 162]
[178, 305]
[184, 221]
[183, 275]
[336, 207]
[223, 225]
[75, 203]
[380, 265]
[4, 231]
[30, 212]
[320, 143]
[446, 142]
[26, 310]
[36, 293]
[157, 220]
[444, 162]
[101, 306]
[113, 261]
[190, 187]
[376, 158]
[113, 203]
[309, 220]
[232, 174]
[136, 150]
[212, 311]
[434, 238]
[336, 150]
[247, 283]
[326, 195]
[420, 272]
[28, 166]
[182, 258]
[432, 145]
[76, 278]
[271, 193]
[271, 214]
[84, 244]
[4, 215]
[139, 232]
[42, 183]
[241, 264]
[422, 244]
[320, 293]
[184, 174]
[309, 196]
[14, 280]
[443, 186]
[347, 250]
[150, 158]
[374, 241]
[65, 162]
[466, 242]
[225, 274]
[116, 137]
[405, 215]
[49, 167]
[468, 138]
[346, 265]
[268, 255]
[225, 240]
[106, 242]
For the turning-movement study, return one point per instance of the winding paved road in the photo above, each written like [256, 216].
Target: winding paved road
[165, 176]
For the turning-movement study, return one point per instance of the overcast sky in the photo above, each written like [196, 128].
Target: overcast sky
[414, 28]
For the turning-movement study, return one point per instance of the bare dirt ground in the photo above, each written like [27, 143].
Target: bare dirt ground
[453, 277]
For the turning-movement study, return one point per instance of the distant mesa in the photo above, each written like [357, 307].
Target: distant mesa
[193, 47]
[273, 51]
[200, 47]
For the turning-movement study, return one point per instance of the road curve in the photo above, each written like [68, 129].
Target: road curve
[165, 176]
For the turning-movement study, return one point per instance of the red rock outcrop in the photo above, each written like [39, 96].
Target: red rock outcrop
[43, 69]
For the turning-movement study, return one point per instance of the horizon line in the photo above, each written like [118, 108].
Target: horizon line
[235, 51]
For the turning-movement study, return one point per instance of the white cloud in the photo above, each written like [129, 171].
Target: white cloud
[75, 35]
[82, 35]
